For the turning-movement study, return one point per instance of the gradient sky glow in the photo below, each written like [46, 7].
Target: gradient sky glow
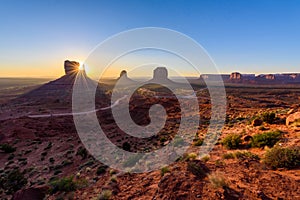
[251, 36]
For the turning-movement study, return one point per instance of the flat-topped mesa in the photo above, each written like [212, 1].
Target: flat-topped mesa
[160, 73]
[71, 67]
[236, 76]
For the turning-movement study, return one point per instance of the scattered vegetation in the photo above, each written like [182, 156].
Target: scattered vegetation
[105, 195]
[268, 117]
[196, 169]
[101, 170]
[279, 157]
[217, 180]
[7, 148]
[266, 139]
[241, 155]
[232, 141]
[126, 146]
[205, 158]
[246, 154]
[65, 184]
[12, 181]
[82, 152]
[164, 170]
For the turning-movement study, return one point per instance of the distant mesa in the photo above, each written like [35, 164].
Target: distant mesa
[236, 76]
[71, 67]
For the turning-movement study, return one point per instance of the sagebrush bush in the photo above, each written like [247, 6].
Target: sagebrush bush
[217, 180]
[65, 184]
[12, 181]
[196, 169]
[7, 148]
[105, 195]
[266, 139]
[268, 117]
[232, 141]
[279, 157]
[164, 170]
[245, 154]
[82, 152]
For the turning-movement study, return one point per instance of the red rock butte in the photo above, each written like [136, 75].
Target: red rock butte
[71, 67]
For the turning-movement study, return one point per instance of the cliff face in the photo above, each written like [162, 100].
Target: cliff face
[71, 67]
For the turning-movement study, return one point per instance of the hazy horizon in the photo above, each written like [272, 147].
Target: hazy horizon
[238, 35]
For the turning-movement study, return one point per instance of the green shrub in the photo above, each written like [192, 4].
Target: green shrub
[105, 195]
[278, 157]
[268, 117]
[232, 141]
[6, 148]
[228, 156]
[126, 146]
[12, 181]
[266, 139]
[101, 170]
[82, 152]
[246, 154]
[164, 170]
[217, 180]
[196, 169]
[66, 184]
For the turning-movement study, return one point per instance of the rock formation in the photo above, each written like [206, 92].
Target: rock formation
[292, 118]
[123, 79]
[71, 67]
[160, 73]
[235, 76]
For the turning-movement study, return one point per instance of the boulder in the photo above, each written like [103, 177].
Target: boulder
[295, 117]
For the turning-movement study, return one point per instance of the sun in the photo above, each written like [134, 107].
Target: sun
[81, 66]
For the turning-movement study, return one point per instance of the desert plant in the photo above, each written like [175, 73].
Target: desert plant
[105, 195]
[228, 156]
[65, 184]
[217, 180]
[288, 157]
[246, 154]
[7, 148]
[164, 170]
[232, 141]
[82, 152]
[114, 179]
[101, 170]
[12, 181]
[205, 158]
[126, 146]
[266, 139]
[268, 117]
[196, 169]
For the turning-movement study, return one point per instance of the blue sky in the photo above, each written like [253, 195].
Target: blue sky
[251, 36]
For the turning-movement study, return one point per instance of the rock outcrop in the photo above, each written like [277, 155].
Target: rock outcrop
[71, 67]
[295, 117]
